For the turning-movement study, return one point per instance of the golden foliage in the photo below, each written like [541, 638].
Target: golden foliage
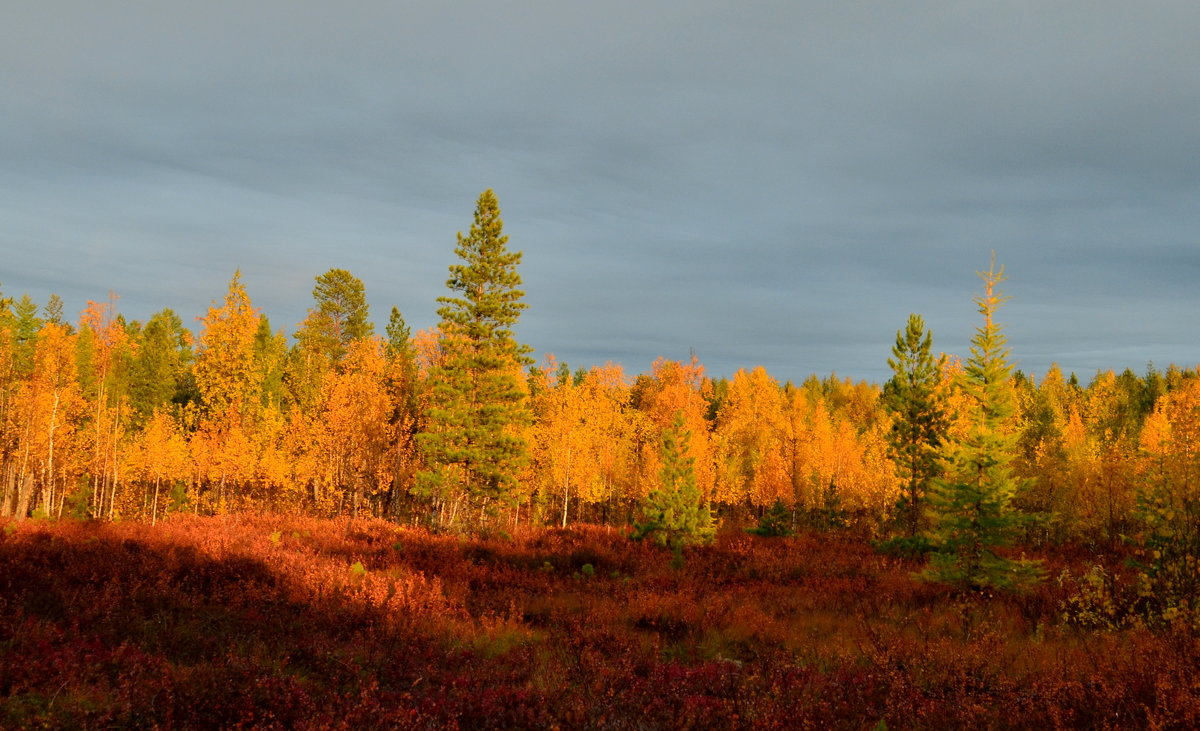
[225, 370]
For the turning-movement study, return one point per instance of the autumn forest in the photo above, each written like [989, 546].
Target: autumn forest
[963, 536]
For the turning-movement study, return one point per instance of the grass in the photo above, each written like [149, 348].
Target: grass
[292, 622]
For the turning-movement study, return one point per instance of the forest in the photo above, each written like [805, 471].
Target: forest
[960, 539]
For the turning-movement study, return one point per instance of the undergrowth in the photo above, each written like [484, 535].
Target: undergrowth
[292, 622]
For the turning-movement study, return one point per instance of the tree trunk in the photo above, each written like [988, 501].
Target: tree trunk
[566, 488]
[23, 497]
[50, 457]
[112, 495]
[8, 500]
[154, 509]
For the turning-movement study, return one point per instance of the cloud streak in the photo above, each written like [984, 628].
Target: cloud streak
[776, 184]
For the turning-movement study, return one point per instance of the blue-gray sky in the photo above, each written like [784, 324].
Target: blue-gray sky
[765, 183]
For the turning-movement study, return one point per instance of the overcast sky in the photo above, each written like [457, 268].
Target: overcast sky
[762, 183]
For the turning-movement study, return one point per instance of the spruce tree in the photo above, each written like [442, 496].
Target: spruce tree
[676, 513]
[917, 404]
[26, 325]
[160, 371]
[402, 355]
[971, 504]
[776, 522]
[398, 343]
[472, 441]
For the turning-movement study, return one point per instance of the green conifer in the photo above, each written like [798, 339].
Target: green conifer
[971, 505]
[26, 325]
[676, 513]
[776, 522]
[160, 370]
[472, 442]
[402, 377]
[339, 315]
[916, 401]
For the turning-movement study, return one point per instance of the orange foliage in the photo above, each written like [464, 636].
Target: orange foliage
[49, 410]
[674, 387]
[356, 438]
[158, 456]
[275, 468]
[224, 463]
[343, 438]
[225, 369]
[427, 345]
[1170, 441]
[580, 443]
[750, 442]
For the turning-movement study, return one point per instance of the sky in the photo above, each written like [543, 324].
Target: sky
[764, 183]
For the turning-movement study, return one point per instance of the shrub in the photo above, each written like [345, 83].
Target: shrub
[776, 522]
[913, 547]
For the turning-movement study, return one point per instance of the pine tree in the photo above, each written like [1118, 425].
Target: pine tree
[916, 402]
[971, 505]
[472, 443]
[339, 315]
[676, 513]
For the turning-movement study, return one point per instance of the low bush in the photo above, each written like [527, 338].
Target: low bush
[284, 622]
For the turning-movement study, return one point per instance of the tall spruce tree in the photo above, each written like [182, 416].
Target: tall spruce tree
[676, 513]
[472, 441]
[971, 504]
[917, 403]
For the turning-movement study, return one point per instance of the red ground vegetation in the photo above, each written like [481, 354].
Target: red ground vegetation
[295, 622]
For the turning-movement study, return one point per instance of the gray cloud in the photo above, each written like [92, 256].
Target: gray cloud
[776, 184]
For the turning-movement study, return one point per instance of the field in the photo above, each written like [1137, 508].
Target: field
[292, 622]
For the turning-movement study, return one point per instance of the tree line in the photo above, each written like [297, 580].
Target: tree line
[111, 418]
